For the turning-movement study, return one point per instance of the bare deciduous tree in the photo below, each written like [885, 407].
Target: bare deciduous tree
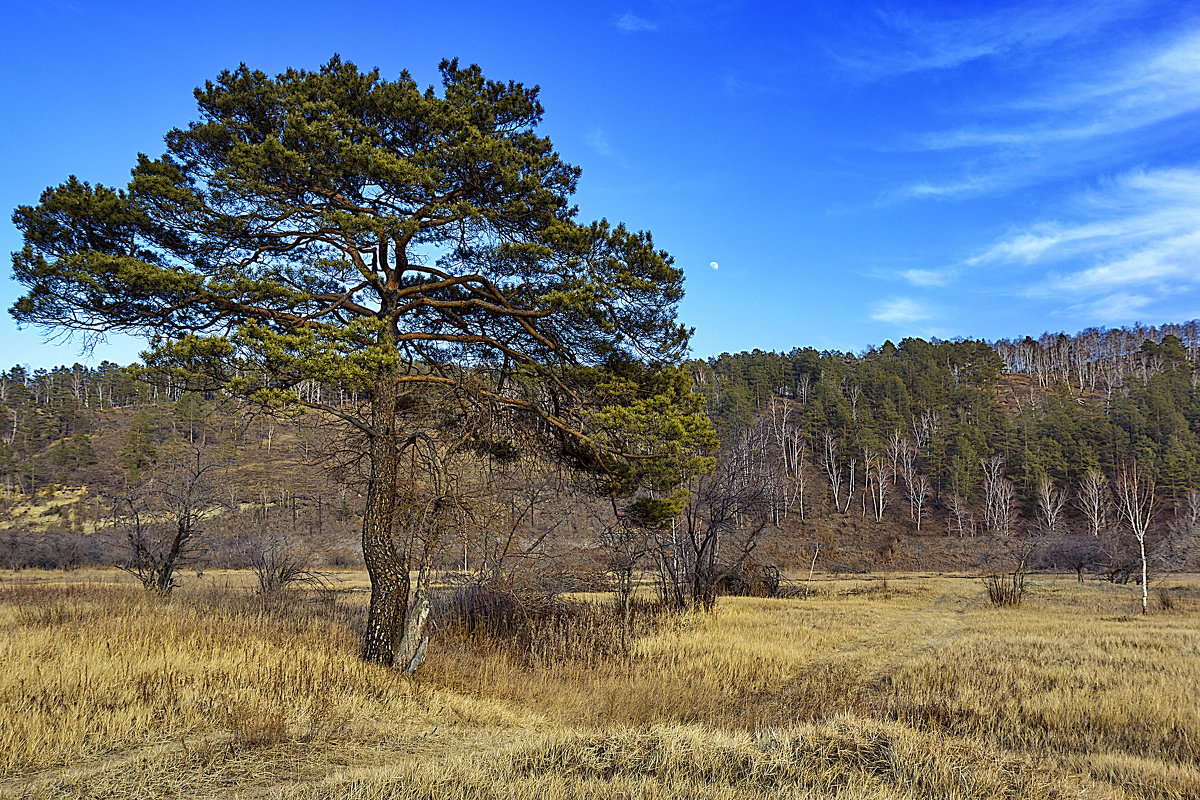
[161, 517]
[925, 426]
[999, 497]
[1135, 493]
[1076, 551]
[792, 449]
[875, 483]
[832, 464]
[919, 492]
[1051, 501]
[625, 548]
[1094, 501]
[959, 521]
[716, 535]
[896, 445]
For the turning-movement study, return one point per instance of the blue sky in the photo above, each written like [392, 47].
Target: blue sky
[827, 174]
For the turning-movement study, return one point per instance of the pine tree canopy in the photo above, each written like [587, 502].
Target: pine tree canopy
[335, 226]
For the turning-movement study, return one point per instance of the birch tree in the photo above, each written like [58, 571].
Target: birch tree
[1135, 492]
[1094, 500]
[1051, 502]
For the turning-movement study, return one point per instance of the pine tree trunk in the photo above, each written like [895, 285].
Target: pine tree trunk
[386, 567]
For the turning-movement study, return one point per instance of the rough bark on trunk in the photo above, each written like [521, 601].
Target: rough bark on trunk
[399, 611]
[388, 572]
[410, 650]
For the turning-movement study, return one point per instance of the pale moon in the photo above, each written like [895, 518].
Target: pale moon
[713, 264]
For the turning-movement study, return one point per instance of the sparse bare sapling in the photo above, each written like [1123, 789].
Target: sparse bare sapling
[1135, 493]
[999, 497]
[841, 486]
[792, 448]
[959, 521]
[519, 504]
[925, 426]
[161, 517]
[626, 550]
[831, 463]
[850, 466]
[799, 477]
[812, 566]
[1051, 501]
[919, 492]
[908, 462]
[279, 563]
[891, 451]
[717, 533]
[1094, 500]
[1006, 507]
[875, 482]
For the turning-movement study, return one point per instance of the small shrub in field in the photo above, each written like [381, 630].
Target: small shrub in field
[751, 579]
[251, 726]
[279, 565]
[1005, 590]
[1166, 599]
[542, 629]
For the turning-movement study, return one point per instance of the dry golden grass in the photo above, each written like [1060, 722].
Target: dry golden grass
[913, 689]
[42, 512]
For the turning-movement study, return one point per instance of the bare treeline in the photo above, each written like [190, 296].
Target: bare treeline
[1096, 359]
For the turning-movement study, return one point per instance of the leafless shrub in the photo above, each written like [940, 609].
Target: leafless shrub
[544, 630]
[1078, 551]
[279, 564]
[1166, 598]
[1005, 589]
[162, 517]
[750, 579]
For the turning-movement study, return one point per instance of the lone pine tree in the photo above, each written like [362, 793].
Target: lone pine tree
[393, 241]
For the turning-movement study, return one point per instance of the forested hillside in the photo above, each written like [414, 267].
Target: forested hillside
[975, 440]
[1053, 407]
[1037, 439]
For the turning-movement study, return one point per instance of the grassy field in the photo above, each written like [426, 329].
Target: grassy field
[912, 687]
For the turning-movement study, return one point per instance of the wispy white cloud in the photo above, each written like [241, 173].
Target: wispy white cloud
[1165, 263]
[920, 43]
[901, 311]
[632, 23]
[597, 139]
[1114, 308]
[926, 277]
[1142, 89]
[1069, 124]
[1132, 226]
[1132, 243]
